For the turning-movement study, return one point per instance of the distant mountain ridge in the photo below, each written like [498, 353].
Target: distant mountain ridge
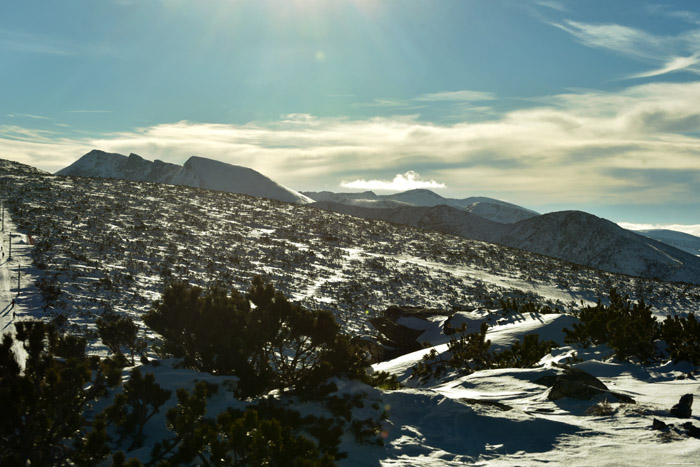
[682, 241]
[573, 236]
[198, 172]
[488, 208]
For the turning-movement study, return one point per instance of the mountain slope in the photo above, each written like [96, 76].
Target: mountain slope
[444, 219]
[197, 172]
[488, 208]
[583, 238]
[572, 236]
[682, 241]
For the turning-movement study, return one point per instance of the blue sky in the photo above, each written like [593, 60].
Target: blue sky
[549, 104]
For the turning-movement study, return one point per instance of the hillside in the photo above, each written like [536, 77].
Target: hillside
[682, 241]
[572, 236]
[586, 239]
[94, 247]
[441, 218]
[196, 172]
[488, 208]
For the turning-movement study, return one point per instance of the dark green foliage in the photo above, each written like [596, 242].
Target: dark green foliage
[525, 354]
[263, 435]
[470, 351]
[250, 440]
[367, 431]
[383, 380]
[628, 328]
[50, 290]
[682, 336]
[510, 305]
[192, 431]
[117, 332]
[271, 344]
[140, 401]
[42, 407]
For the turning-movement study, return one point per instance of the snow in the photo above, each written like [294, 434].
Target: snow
[196, 172]
[682, 241]
[486, 208]
[128, 232]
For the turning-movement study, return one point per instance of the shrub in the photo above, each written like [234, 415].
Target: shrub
[262, 338]
[682, 336]
[42, 407]
[141, 400]
[117, 332]
[525, 355]
[628, 328]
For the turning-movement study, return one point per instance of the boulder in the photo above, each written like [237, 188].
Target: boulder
[578, 384]
[683, 408]
[396, 338]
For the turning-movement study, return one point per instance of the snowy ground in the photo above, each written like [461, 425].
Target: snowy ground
[111, 244]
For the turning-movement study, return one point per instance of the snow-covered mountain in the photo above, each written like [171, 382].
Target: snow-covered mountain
[94, 247]
[488, 208]
[197, 172]
[682, 241]
[573, 236]
[441, 218]
[583, 238]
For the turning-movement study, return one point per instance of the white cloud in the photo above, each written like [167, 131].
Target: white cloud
[401, 182]
[464, 96]
[667, 53]
[674, 64]
[689, 229]
[636, 146]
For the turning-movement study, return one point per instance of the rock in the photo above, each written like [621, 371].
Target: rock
[498, 405]
[659, 425]
[396, 338]
[578, 384]
[683, 408]
[692, 430]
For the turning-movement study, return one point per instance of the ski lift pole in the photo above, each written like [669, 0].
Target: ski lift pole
[18, 274]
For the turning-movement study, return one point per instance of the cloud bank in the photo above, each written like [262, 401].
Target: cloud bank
[401, 182]
[689, 229]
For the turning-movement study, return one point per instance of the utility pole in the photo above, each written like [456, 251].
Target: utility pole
[3, 216]
[9, 257]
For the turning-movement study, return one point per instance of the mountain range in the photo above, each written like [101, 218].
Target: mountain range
[198, 172]
[488, 208]
[573, 236]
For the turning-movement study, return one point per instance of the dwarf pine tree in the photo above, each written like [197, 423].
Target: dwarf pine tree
[43, 405]
[260, 337]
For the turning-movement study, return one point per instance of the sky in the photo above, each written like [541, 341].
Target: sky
[548, 104]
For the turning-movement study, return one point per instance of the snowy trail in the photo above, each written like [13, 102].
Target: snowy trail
[8, 281]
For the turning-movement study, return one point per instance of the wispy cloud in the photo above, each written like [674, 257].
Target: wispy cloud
[33, 43]
[667, 53]
[87, 111]
[35, 117]
[615, 37]
[553, 4]
[457, 96]
[401, 182]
